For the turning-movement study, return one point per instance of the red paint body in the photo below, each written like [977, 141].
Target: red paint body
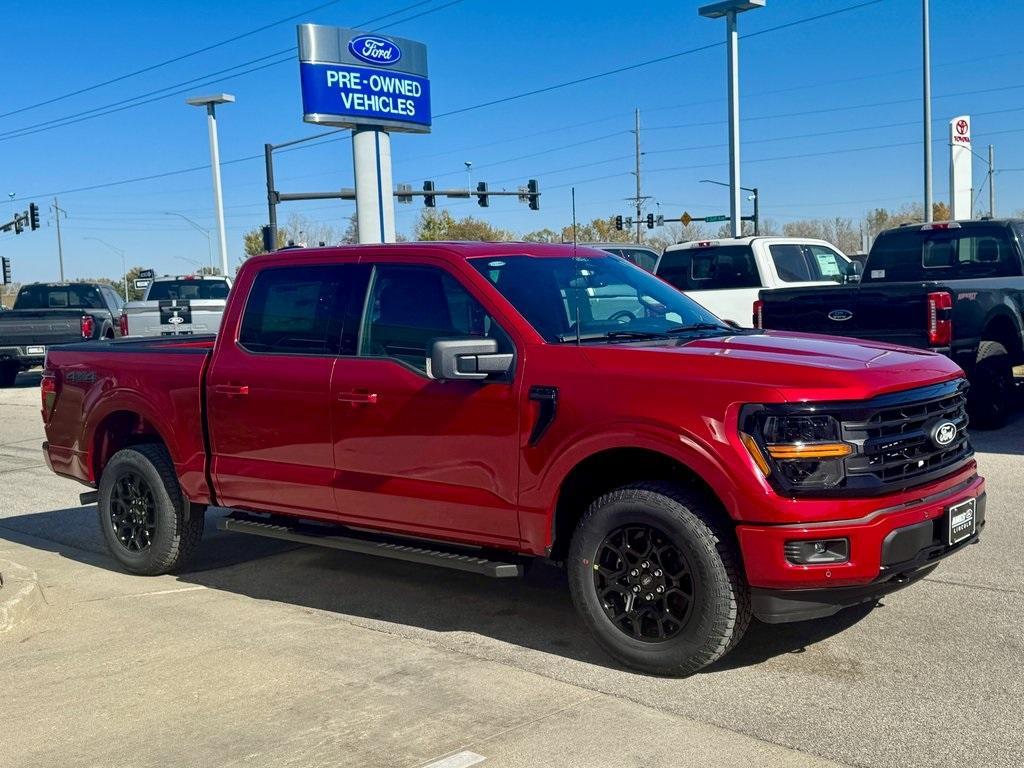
[450, 459]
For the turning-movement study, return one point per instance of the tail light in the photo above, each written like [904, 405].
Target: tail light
[48, 395]
[88, 326]
[758, 316]
[122, 323]
[940, 321]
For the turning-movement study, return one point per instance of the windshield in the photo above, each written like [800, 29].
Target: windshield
[609, 297]
[59, 297]
[187, 289]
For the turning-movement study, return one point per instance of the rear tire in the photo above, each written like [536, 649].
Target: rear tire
[8, 374]
[690, 602]
[990, 398]
[142, 512]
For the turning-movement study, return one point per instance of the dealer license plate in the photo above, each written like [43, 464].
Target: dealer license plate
[962, 520]
[37, 350]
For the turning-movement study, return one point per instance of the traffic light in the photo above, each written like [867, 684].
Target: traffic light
[33, 216]
[618, 223]
[428, 199]
[7, 269]
[532, 191]
[650, 221]
[19, 225]
[481, 194]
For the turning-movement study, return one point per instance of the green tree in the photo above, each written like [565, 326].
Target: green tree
[252, 241]
[441, 225]
[543, 236]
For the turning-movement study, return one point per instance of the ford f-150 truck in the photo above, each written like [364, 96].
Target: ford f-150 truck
[54, 313]
[953, 287]
[177, 306]
[464, 405]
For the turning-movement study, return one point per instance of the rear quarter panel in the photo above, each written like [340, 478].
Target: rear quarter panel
[158, 382]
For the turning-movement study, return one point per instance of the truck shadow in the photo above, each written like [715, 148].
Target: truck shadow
[534, 613]
[28, 379]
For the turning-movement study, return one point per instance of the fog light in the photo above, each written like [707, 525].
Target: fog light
[818, 551]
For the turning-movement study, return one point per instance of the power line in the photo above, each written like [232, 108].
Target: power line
[173, 60]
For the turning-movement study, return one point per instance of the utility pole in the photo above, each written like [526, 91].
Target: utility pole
[991, 181]
[636, 131]
[927, 46]
[57, 211]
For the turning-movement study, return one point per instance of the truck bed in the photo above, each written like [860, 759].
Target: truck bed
[42, 327]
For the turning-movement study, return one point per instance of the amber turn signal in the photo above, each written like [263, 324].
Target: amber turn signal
[755, 453]
[810, 451]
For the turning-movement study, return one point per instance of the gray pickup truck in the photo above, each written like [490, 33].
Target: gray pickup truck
[46, 314]
[178, 306]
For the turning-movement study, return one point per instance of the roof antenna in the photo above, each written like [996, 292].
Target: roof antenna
[575, 262]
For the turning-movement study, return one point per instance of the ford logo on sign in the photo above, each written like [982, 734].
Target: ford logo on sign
[840, 315]
[374, 50]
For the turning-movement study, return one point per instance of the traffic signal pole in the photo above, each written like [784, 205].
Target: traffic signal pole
[57, 211]
[638, 198]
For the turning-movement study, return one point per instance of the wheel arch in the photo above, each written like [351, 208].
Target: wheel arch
[1004, 328]
[120, 429]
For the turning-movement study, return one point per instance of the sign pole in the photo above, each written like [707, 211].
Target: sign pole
[375, 203]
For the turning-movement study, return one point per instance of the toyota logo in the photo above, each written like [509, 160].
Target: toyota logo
[962, 126]
[840, 315]
[943, 433]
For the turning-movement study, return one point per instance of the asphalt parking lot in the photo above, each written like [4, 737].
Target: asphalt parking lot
[272, 654]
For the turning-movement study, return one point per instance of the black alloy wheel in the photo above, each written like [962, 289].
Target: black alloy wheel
[133, 512]
[644, 583]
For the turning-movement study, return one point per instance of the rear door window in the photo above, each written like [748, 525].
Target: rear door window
[303, 310]
[711, 268]
[805, 263]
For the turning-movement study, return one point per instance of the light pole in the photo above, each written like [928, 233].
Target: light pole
[755, 196]
[210, 103]
[927, 46]
[190, 261]
[124, 266]
[729, 9]
[205, 232]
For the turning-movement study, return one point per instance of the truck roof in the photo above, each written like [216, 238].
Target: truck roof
[718, 241]
[455, 250]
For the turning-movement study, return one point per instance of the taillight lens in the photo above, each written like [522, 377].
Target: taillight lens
[758, 314]
[940, 320]
[122, 323]
[88, 326]
[48, 395]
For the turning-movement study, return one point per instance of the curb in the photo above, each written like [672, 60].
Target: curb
[19, 594]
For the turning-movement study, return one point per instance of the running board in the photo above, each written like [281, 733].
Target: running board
[458, 561]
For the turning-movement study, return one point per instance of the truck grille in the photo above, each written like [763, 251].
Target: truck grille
[893, 436]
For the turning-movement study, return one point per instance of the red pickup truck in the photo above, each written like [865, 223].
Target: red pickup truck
[479, 405]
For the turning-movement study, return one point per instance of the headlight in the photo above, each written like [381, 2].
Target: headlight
[796, 451]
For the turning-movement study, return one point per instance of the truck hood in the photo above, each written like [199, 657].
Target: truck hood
[798, 366]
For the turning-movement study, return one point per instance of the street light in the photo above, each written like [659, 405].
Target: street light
[124, 266]
[756, 197]
[729, 9]
[210, 103]
[203, 230]
[190, 261]
[927, 94]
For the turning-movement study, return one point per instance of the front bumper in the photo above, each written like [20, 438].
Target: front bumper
[888, 547]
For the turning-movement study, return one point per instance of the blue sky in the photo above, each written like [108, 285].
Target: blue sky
[831, 113]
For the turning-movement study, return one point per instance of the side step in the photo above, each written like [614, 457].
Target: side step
[306, 534]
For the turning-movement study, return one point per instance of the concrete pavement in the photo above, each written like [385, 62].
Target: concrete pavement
[269, 654]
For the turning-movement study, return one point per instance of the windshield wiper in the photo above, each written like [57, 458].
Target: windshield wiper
[698, 327]
[612, 335]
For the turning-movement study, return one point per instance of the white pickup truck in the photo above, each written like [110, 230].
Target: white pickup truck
[177, 306]
[726, 275]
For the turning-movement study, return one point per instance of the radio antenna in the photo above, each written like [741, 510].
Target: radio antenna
[575, 261]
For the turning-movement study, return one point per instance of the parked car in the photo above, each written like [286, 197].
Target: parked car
[726, 275]
[459, 405]
[951, 287]
[45, 314]
[178, 306]
[641, 255]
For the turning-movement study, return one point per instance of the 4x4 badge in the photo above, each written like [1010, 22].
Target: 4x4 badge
[840, 315]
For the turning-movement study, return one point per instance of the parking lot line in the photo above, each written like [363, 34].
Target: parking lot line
[460, 760]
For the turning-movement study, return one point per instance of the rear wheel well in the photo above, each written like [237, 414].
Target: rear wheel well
[118, 430]
[598, 474]
[1002, 330]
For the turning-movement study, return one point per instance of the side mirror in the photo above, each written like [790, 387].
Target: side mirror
[470, 358]
[854, 271]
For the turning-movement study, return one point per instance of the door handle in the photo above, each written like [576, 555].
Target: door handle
[231, 390]
[358, 398]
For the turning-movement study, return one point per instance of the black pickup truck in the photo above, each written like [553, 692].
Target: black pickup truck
[46, 314]
[951, 287]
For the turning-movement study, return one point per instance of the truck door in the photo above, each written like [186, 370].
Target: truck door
[269, 391]
[436, 458]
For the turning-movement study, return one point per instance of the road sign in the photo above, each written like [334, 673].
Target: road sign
[146, 273]
[716, 218]
[686, 218]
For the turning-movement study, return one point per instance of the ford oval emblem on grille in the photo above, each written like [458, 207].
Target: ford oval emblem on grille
[840, 315]
[943, 433]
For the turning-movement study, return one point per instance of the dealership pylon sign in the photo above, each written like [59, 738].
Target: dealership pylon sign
[961, 185]
[372, 84]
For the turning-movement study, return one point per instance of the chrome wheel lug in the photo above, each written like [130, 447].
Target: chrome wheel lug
[648, 596]
[636, 587]
[634, 572]
[645, 565]
[658, 572]
[660, 589]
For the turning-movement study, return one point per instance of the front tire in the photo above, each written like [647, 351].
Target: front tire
[142, 512]
[8, 374]
[656, 579]
[990, 398]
